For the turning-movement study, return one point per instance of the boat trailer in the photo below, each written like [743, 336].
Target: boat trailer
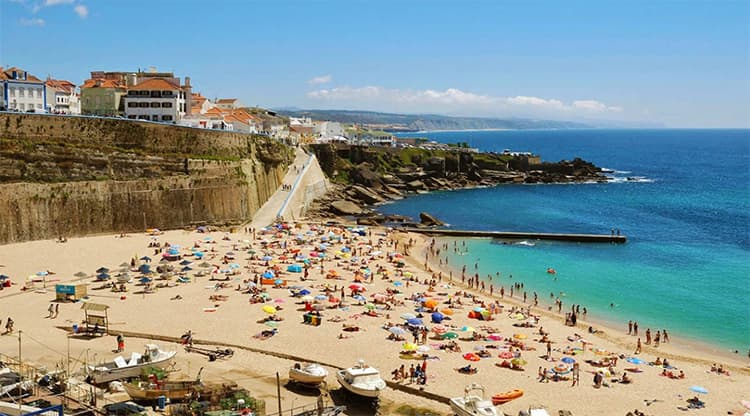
[212, 354]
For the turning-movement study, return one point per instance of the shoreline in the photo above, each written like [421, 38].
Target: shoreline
[686, 347]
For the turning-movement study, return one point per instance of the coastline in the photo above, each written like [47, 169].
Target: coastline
[233, 322]
[679, 347]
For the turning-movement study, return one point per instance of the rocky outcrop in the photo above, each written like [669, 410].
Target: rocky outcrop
[371, 175]
[343, 207]
[69, 176]
[429, 221]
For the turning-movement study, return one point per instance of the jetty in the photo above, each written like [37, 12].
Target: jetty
[513, 235]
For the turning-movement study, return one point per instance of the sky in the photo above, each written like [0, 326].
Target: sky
[675, 63]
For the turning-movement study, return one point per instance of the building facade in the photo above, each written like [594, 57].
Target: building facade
[102, 97]
[155, 99]
[62, 97]
[22, 91]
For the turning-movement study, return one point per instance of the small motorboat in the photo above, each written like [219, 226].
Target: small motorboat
[308, 373]
[471, 404]
[119, 369]
[501, 398]
[361, 380]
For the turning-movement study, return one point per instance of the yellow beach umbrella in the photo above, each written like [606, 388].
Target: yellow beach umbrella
[519, 336]
[410, 347]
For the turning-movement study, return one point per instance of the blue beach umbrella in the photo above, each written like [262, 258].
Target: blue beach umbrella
[269, 274]
[185, 262]
[4, 277]
[102, 270]
[145, 279]
[396, 330]
[321, 297]
[568, 360]
[145, 258]
[415, 321]
[398, 283]
[699, 389]
[267, 258]
[437, 317]
[234, 266]
[634, 360]
[144, 268]
[359, 298]
[103, 276]
[198, 254]
[303, 292]
[43, 273]
[278, 281]
[294, 268]
[186, 269]
[408, 315]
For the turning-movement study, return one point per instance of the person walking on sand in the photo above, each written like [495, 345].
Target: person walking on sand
[576, 374]
[120, 343]
[51, 311]
[638, 347]
[9, 326]
[630, 327]
[57, 310]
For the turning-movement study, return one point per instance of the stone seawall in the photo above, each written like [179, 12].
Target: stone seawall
[71, 176]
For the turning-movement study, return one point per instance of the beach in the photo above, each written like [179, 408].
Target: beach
[234, 321]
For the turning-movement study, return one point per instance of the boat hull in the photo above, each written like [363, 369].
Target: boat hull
[459, 407]
[100, 375]
[507, 396]
[358, 389]
[305, 378]
[174, 391]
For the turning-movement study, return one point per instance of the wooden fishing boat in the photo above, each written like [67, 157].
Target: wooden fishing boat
[172, 390]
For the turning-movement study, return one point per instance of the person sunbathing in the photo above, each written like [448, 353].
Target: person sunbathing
[625, 379]
[467, 370]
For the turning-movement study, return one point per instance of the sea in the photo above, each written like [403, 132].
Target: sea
[682, 198]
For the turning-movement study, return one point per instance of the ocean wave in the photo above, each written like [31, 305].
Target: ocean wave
[631, 179]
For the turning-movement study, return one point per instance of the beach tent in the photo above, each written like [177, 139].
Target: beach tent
[294, 268]
[73, 293]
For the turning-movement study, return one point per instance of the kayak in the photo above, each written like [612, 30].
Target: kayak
[501, 398]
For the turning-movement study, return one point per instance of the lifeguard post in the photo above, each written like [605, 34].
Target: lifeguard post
[95, 314]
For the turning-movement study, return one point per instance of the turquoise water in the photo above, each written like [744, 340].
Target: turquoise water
[686, 266]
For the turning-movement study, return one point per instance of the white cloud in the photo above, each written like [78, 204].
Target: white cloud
[323, 79]
[56, 2]
[455, 101]
[31, 22]
[81, 10]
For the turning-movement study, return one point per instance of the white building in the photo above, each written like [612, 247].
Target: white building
[155, 99]
[201, 122]
[62, 97]
[22, 91]
[228, 103]
[325, 129]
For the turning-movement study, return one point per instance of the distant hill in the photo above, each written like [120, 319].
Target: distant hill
[418, 122]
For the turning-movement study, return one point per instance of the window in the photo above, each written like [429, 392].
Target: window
[132, 104]
[166, 105]
[154, 105]
[156, 93]
[143, 105]
[166, 118]
[131, 117]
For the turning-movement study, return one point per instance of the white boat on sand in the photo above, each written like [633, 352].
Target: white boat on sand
[119, 368]
[361, 379]
[472, 404]
[308, 373]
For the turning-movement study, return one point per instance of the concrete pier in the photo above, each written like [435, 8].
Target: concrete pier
[510, 235]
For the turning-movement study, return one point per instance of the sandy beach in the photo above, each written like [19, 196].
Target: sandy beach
[226, 315]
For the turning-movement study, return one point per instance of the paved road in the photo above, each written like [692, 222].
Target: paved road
[267, 213]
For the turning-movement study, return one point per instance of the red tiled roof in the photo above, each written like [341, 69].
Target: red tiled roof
[7, 74]
[61, 84]
[102, 83]
[226, 100]
[154, 84]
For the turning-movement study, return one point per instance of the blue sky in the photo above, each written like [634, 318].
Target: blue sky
[680, 63]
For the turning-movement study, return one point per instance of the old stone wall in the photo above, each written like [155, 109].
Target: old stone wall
[70, 176]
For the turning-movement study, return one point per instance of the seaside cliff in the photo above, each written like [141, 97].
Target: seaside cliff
[68, 176]
[371, 175]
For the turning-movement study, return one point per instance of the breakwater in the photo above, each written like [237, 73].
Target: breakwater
[511, 235]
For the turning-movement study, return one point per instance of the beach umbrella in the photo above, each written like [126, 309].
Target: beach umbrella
[449, 335]
[478, 309]
[415, 321]
[468, 329]
[303, 292]
[562, 368]
[278, 300]
[144, 258]
[321, 297]
[634, 360]
[437, 317]
[103, 276]
[80, 274]
[268, 274]
[124, 264]
[408, 315]
[699, 389]
[395, 330]
[4, 277]
[269, 309]
[439, 329]
[370, 306]
[102, 270]
[294, 268]
[145, 280]
[519, 336]
[272, 324]
[357, 287]
[423, 349]
[144, 268]
[205, 265]
[267, 258]
[430, 303]
[447, 311]
[185, 262]
[42, 273]
[186, 269]
[278, 282]
[234, 266]
[495, 337]
[359, 298]
[506, 355]
[198, 254]
[568, 360]
[398, 283]
[410, 346]
[307, 298]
